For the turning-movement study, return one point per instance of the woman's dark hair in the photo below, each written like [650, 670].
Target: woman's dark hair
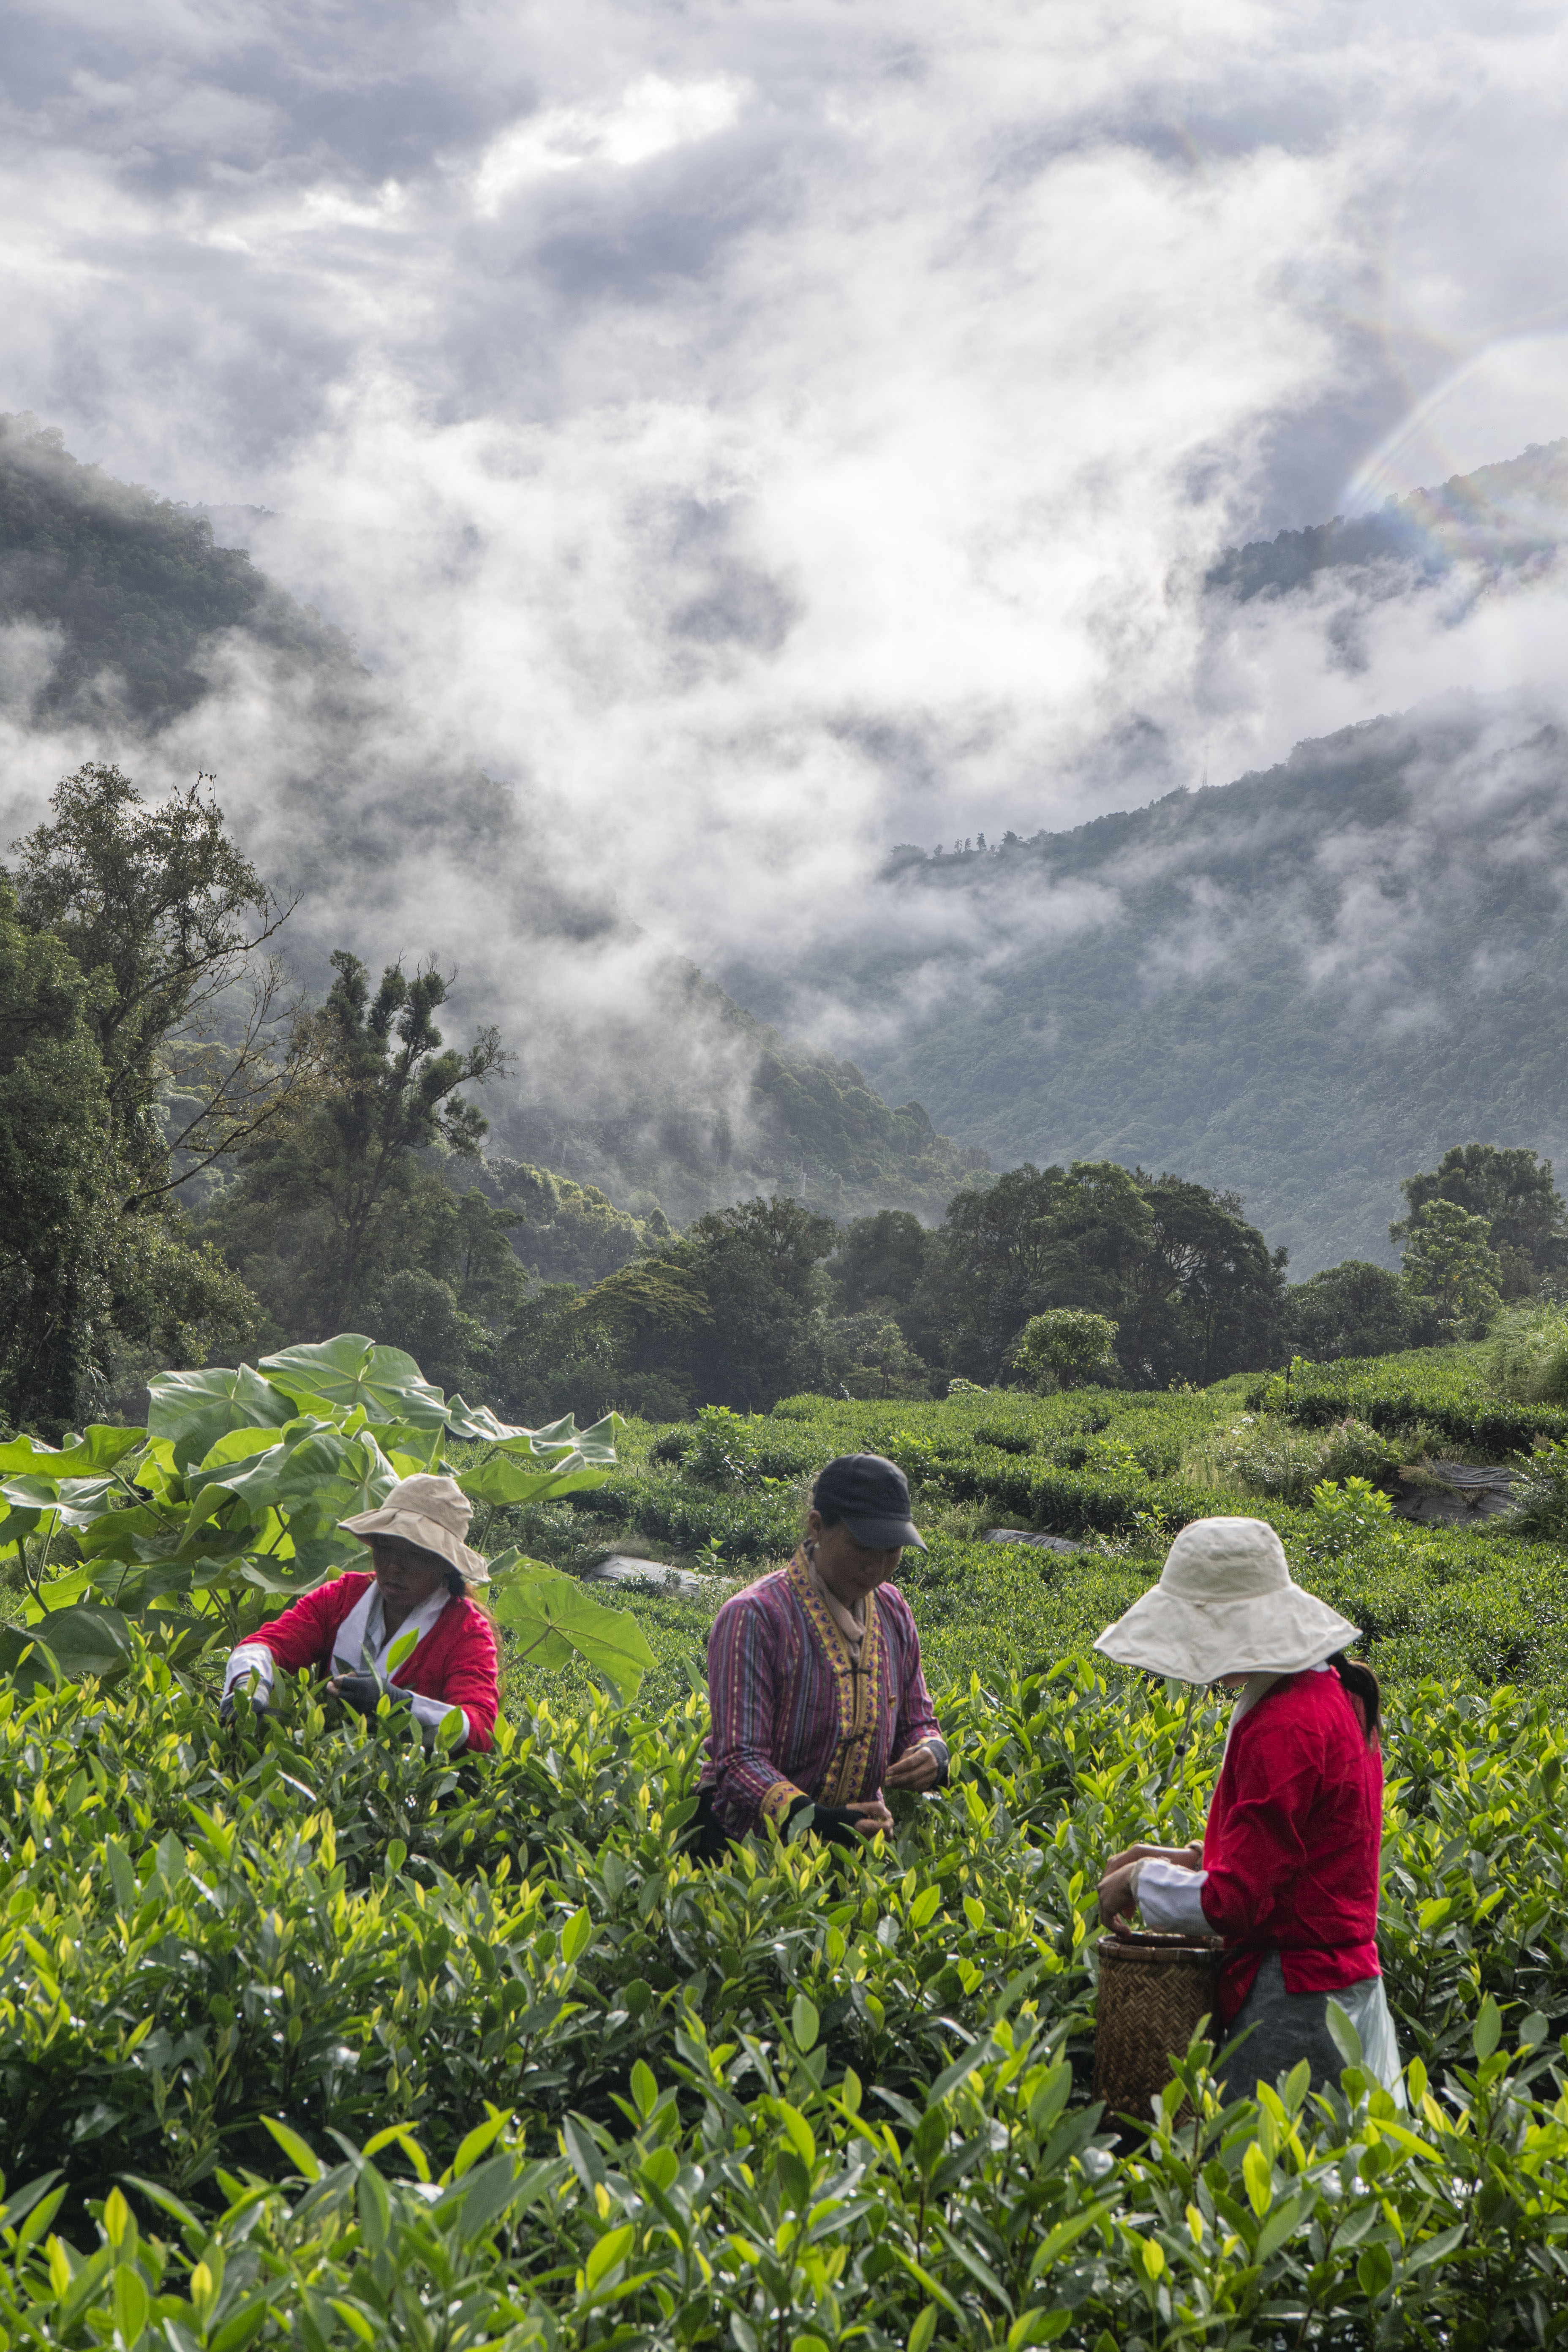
[1362, 1686]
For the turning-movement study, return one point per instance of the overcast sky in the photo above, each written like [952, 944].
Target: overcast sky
[776, 430]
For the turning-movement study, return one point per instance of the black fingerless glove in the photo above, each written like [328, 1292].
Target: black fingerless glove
[836, 1823]
[363, 1693]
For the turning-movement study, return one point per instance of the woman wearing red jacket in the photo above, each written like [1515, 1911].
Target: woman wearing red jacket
[420, 1572]
[1287, 1872]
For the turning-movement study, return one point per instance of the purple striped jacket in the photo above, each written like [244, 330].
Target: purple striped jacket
[792, 1715]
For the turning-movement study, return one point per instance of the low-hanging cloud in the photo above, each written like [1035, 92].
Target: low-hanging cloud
[763, 434]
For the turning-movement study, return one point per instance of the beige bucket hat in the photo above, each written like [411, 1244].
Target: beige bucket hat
[1225, 1604]
[431, 1512]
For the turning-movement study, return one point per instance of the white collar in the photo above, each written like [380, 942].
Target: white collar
[1255, 1687]
[362, 1641]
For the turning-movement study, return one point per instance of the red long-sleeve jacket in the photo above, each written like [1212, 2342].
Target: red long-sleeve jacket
[1293, 1843]
[455, 1661]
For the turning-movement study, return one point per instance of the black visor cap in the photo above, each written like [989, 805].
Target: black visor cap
[871, 1495]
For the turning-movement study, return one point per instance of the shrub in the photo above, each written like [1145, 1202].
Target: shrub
[1448, 1391]
[216, 1957]
[1258, 1454]
[1066, 1344]
[1540, 1497]
[1354, 1449]
[1343, 1517]
[742, 1450]
[1528, 1356]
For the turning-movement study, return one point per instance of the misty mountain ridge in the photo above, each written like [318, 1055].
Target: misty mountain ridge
[1508, 518]
[1298, 987]
[1301, 986]
[128, 633]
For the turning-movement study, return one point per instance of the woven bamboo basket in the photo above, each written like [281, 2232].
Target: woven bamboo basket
[1153, 1991]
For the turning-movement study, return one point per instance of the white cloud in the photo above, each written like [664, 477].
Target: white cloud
[772, 431]
[647, 119]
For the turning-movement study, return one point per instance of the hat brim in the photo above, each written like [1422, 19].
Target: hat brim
[886, 1535]
[1280, 1633]
[413, 1528]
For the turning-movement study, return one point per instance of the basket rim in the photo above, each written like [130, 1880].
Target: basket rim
[1150, 1943]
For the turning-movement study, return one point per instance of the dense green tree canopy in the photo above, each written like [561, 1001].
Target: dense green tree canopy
[1450, 1269]
[1209, 1298]
[1513, 1190]
[564, 1231]
[1353, 1310]
[330, 1205]
[56, 1175]
[883, 1256]
[1194, 1287]
[1067, 1346]
[170, 922]
[756, 1266]
[137, 1048]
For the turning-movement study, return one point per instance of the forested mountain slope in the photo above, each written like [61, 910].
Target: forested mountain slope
[1298, 986]
[1504, 518]
[127, 634]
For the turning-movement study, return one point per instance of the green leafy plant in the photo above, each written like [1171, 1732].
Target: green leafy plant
[1258, 1454]
[1527, 1354]
[254, 2009]
[231, 1498]
[1346, 1515]
[555, 1619]
[1069, 1344]
[1541, 1493]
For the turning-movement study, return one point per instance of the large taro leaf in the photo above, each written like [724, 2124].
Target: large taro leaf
[81, 1641]
[596, 1444]
[119, 1535]
[26, 1505]
[308, 1482]
[554, 1617]
[238, 1445]
[99, 1450]
[503, 1479]
[75, 1585]
[563, 1436]
[352, 1371]
[477, 1421]
[84, 1501]
[311, 1469]
[193, 1410]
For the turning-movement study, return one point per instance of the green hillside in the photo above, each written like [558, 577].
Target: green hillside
[135, 586]
[1298, 987]
[679, 1100]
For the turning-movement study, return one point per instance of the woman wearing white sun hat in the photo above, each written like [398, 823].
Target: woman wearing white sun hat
[1287, 1872]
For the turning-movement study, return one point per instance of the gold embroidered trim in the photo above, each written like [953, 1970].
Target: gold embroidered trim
[861, 1686]
[778, 1799]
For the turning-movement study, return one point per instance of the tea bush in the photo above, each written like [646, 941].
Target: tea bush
[582, 2094]
[1486, 1599]
[1526, 1354]
[1450, 1390]
[307, 2037]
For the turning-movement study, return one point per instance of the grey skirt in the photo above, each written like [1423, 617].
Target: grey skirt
[1287, 2027]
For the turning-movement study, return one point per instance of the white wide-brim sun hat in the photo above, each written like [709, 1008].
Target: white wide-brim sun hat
[431, 1512]
[1225, 1604]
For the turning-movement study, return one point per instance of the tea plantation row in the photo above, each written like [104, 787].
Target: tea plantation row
[1104, 1468]
[305, 2038]
[808, 2100]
